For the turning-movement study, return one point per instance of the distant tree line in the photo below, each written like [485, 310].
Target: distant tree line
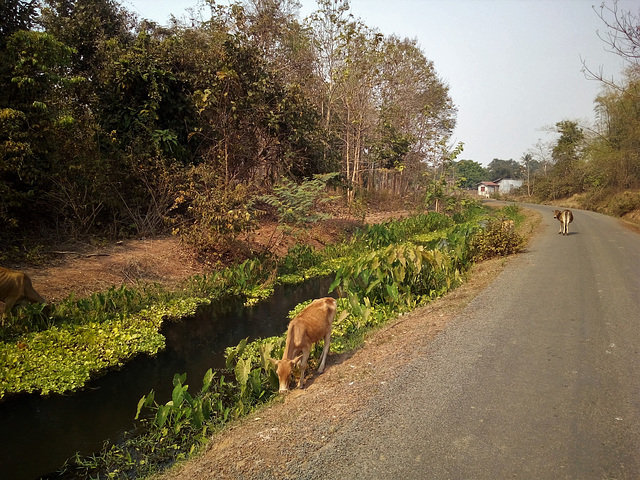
[115, 125]
[467, 174]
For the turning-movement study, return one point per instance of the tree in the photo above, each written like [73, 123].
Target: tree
[357, 78]
[328, 25]
[569, 145]
[15, 15]
[567, 175]
[622, 38]
[469, 173]
[285, 46]
[416, 103]
[389, 146]
[504, 169]
[528, 167]
[86, 25]
[615, 154]
[34, 115]
[273, 27]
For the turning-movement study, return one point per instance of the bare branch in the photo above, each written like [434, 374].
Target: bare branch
[622, 38]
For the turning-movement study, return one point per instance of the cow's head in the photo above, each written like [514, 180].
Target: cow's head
[556, 214]
[284, 370]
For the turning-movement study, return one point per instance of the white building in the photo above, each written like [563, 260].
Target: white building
[486, 189]
[509, 184]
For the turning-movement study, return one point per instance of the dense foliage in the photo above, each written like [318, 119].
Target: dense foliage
[113, 125]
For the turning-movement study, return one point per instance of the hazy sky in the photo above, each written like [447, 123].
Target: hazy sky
[513, 66]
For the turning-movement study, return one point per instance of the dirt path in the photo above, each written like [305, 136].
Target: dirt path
[89, 270]
[272, 442]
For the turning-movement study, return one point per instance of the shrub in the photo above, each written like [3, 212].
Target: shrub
[494, 240]
[299, 258]
[623, 203]
[215, 213]
[297, 204]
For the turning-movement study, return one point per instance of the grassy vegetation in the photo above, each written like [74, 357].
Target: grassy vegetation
[381, 272]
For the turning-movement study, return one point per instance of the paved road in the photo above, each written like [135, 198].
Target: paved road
[539, 378]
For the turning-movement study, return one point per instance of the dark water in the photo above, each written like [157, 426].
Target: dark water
[38, 434]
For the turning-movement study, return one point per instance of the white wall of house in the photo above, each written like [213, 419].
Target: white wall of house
[509, 184]
[486, 190]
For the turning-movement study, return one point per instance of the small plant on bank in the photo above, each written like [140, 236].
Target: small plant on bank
[210, 213]
[176, 429]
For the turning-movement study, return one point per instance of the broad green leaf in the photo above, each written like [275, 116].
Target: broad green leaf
[343, 314]
[243, 367]
[178, 394]
[206, 381]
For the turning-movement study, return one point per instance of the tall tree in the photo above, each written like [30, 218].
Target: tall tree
[615, 153]
[86, 25]
[567, 175]
[418, 101]
[622, 37]
[34, 114]
[469, 173]
[15, 15]
[529, 166]
[356, 84]
[504, 169]
[328, 24]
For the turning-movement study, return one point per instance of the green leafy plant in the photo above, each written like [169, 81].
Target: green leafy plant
[299, 258]
[398, 275]
[375, 286]
[297, 204]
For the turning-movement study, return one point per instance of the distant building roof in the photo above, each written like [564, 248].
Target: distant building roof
[489, 184]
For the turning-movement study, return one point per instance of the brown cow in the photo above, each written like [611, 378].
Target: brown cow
[311, 325]
[565, 217]
[16, 289]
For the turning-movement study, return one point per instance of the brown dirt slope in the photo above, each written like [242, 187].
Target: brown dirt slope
[83, 269]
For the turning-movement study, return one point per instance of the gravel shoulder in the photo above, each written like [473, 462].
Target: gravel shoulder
[274, 441]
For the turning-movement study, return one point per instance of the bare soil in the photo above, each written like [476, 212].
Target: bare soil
[83, 269]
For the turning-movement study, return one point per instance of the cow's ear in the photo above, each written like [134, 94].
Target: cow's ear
[273, 361]
[296, 361]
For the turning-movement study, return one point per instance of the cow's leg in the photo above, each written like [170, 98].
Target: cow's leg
[9, 303]
[325, 351]
[303, 364]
